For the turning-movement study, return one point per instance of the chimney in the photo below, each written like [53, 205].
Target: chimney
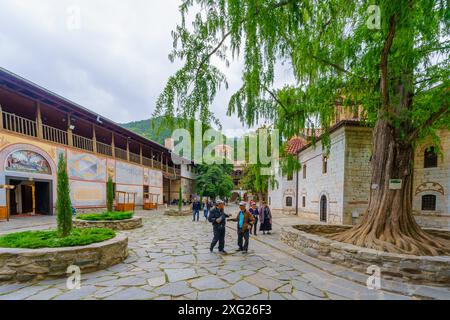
[169, 144]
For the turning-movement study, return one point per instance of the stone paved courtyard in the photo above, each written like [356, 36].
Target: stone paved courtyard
[169, 258]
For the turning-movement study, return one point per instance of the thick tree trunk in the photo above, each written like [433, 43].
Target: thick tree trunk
[388, 224]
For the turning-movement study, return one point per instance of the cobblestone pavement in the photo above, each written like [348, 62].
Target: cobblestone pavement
[169, 259]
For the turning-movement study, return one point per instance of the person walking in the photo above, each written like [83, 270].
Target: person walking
[265, 218]
[206, 208]
[218, 218]
[244, 221]
[255, 213]
[196, 207]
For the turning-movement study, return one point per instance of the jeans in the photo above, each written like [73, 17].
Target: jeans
[196, 213]
[205, 212]
[243, 238]
[254, 227]
[219, 236]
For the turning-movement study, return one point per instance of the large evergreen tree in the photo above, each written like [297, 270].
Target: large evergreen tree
[398, 72]
[63, 203]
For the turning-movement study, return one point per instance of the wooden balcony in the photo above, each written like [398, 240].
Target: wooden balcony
[23, 126]
[14, 123]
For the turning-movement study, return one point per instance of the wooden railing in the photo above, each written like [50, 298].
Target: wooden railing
[121, 154]
[83, 143]
[147, 162]
[104, 149]
[21, 125]
[54, 135]
[18, 124]
[135, 158]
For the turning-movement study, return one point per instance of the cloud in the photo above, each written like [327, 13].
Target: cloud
[112, 60]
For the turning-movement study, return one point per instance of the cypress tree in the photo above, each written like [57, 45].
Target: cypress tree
[109, 194]
[180, 198]
[63, 203]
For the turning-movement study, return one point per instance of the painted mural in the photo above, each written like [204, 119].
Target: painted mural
[86, 167]
[27, 161]
[129, 174]
[155, 178]
[87, 193]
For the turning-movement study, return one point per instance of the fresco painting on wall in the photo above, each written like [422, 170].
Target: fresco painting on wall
[27, 161]
[129, 174]
[86, 167]
[155, 178]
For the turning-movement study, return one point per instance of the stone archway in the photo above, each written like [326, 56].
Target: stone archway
[33, 173]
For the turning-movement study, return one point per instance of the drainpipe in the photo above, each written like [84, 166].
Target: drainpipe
[296, 190]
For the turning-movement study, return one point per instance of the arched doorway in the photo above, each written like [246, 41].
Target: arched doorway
[31, 173]
[323, 208]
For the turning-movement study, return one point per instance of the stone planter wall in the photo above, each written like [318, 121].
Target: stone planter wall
[178, 213]
[19, 265]
[415, 269]
[127, 224]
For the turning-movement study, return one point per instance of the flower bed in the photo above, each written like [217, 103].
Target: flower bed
[108, 216]
[311, 240]
[50, 239]
[19, 264]
[109, 220]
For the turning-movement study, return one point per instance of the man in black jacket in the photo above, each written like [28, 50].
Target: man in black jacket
[218, 218]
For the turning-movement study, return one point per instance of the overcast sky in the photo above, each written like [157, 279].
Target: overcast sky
[113, 60]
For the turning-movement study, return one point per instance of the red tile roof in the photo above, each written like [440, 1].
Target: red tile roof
[295, 145]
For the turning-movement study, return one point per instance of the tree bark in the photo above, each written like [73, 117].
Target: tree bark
[388, 224]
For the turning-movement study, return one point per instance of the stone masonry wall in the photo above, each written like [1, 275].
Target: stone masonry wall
[357, 172]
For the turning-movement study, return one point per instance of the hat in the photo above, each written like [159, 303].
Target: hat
[242, 203]
[219, 202]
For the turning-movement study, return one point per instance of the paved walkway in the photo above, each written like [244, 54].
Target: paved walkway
[170, 259]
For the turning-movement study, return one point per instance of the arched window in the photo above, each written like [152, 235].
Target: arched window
[303, 201]
[430, 158]
[429, 202]
[288, 201]
[324, 164]
[304, 171]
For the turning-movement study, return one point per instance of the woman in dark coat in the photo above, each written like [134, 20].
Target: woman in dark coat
[265, 218]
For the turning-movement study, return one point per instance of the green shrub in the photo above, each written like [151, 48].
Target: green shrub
[109, 194]
[51, 239]
[108, 216]
[63, 203]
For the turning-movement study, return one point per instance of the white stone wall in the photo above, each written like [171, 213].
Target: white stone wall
[357, 172]
[347, 183]
[435, 181]
[316, 183]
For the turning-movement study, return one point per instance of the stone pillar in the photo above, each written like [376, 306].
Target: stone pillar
[69, 131]
[113, 146]
[128, 150]
[94, 139]
[1, 117]
[39, 121]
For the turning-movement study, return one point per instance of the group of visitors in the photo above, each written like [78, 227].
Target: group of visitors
[246, 220]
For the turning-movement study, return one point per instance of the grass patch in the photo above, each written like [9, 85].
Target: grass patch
[108, 216]
[50, 239]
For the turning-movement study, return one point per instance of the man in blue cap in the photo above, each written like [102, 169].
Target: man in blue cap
[245, 221]
[218, 218]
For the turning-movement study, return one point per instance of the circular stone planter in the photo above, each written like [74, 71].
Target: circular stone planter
[19, 265]
[178, 213]
[126, 224]
[309, 240]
